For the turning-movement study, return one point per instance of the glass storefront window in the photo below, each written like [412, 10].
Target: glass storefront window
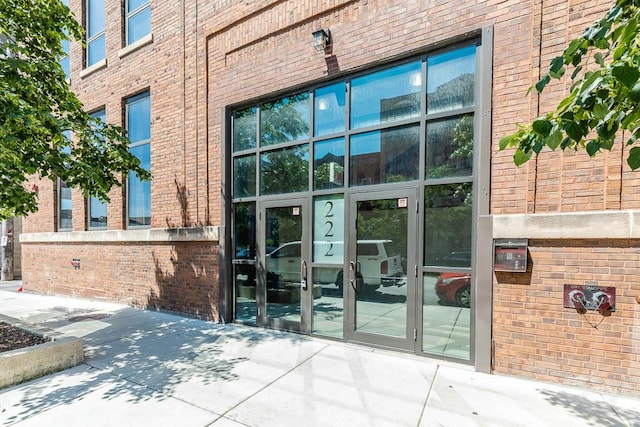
[244, 178]
[244, 230]
[328, 303]
[328, 230]
[328, 164]
[383, 156]
[448, 225]
[446, 314]
[450, 147]
[284, 120]
[245, 129]
[285, 171]
[244, 269]
[329, 111]
[386, 96]
[451, 80]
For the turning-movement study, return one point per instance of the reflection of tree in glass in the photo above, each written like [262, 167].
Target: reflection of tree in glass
[285, 171]
[283, 226]
[322, 175]
[244, 176]
[448, 219]
[281, 121]
[244, 227]
[451, 147]
[382, 219]
[244, 129]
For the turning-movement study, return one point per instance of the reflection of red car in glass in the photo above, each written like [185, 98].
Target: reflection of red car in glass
[454, 288]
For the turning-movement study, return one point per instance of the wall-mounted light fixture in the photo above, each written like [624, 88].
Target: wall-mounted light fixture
[321, 39]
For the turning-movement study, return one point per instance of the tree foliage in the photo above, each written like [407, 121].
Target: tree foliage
[602, 101]
[38, 112]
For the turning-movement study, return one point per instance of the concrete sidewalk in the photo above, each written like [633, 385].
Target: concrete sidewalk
[147, 368]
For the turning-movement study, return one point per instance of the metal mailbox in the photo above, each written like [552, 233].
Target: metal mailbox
[510, 255]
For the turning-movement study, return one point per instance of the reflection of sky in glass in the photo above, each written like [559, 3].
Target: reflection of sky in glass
[367, 92]
[139, 25]
[365, 143]
[98, 209]
[96, 50]
[134, 4]
[140, 192]
[95, 17]
[330, 146]
[447, 66]
[139, 119]
[329, 112]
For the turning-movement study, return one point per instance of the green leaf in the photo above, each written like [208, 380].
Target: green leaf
[592, 148]
[600, 111]
[573, 130]
[542, 127]
[520, 157]
[553, 141]
[556, 70]
[599, 59]
[508, 141]
[634, 93]
[542, 83]
[626, 75]
[634, 158]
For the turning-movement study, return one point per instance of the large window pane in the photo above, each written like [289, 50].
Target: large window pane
[383, 156]
[138, 120]
[284, 120]
[65, 219]
[329, 111]
[451, 80]
[448, 224]
[139, 212]
[446, 314]
[95, 50]
[285, 171]
[328, 304]
[245, 126]
[450, 147]
[95, 17]
[244, 176]
[328, 164]
[386, 96]
[328, 233]
[97, 210]
[244, 230]
[139, 25]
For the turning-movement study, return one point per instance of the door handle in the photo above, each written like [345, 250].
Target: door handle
[303, 272]
[352, 275]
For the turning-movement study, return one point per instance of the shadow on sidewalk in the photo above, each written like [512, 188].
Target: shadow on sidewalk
[598, 413]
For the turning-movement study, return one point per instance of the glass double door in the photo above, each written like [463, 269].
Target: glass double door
[372, 288]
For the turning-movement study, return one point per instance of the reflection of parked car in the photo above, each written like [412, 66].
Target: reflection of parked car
[455, 259]
[454, 288]
[375, 265]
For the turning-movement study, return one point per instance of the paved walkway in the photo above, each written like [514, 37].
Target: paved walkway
[147, 368]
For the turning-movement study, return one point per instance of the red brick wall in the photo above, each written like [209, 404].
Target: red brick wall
[180, 277]
[535, 336]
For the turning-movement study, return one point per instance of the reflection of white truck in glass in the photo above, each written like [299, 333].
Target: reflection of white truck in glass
[375, 265]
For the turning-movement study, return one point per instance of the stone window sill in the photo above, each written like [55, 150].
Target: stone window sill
[127, 50]
[94, 68]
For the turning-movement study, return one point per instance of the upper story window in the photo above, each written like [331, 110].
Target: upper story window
[97, 209]
[64, 60]
[138, 19]
[95, 13]
[138, 122]
[65, 204]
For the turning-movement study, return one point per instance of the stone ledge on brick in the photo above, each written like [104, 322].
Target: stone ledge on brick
[178, 234]
[568, 225]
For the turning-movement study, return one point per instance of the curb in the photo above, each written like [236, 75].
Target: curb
[18, 366]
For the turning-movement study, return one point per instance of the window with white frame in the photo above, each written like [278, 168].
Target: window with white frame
[95, 23]
[97, 209]
[65, 62]
[64, 201]
[138, 19]
[138, 122]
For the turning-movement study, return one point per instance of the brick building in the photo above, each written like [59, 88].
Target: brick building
[352, 190]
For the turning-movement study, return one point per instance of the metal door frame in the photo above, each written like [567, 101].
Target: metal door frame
[304, 326]
[407, 343]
